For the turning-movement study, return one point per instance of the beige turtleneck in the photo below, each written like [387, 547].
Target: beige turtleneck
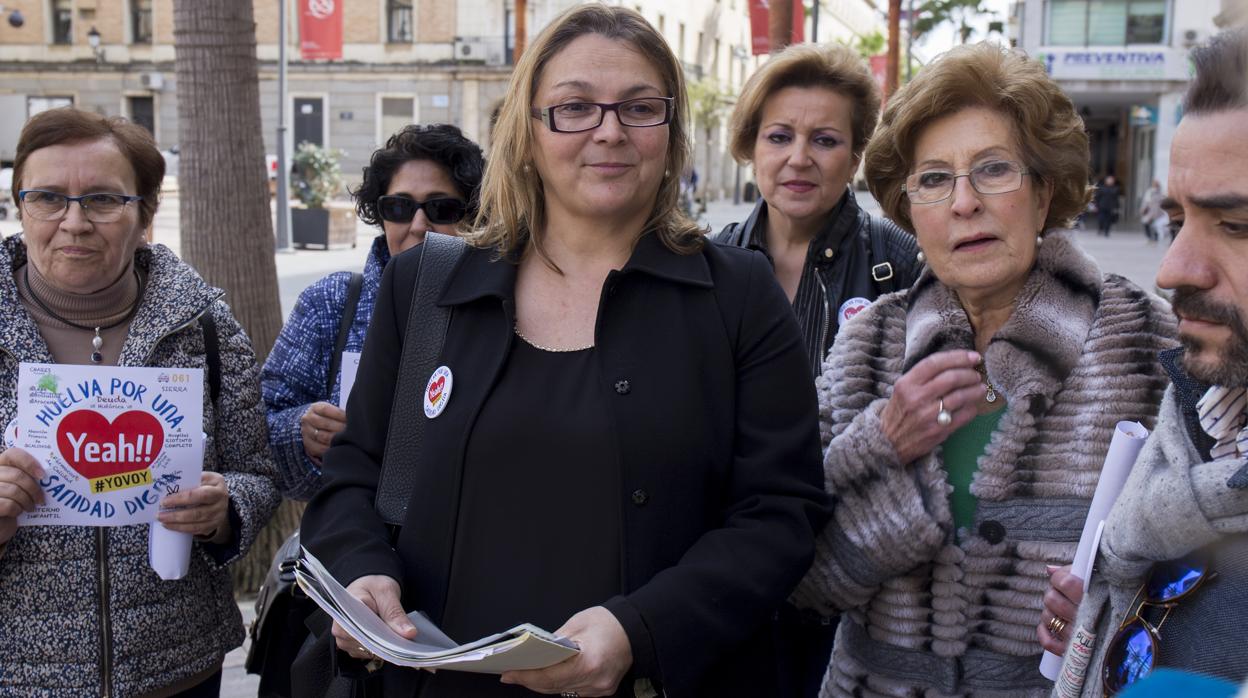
[70, 345]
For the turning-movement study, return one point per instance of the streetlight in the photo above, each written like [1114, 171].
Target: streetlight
[283, 167]
[93, 38]
[16, 20]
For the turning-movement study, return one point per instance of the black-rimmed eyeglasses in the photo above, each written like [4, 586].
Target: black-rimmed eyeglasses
[992, 177]
[574, 117]
[52, 206]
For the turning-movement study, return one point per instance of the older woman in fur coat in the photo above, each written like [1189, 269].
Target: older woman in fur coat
[966, 420]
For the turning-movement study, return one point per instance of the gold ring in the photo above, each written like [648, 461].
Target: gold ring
[1056, 626]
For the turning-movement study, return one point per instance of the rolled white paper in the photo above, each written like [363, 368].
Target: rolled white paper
[169, 552]
[1124, 448]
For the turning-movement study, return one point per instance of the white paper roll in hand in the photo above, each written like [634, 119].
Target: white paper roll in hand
[168, 552]
[1129, 438]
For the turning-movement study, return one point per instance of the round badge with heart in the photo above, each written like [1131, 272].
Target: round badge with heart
[438, 391]
[850, 308]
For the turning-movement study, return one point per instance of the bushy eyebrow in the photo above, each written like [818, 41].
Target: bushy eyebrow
[1212, 202]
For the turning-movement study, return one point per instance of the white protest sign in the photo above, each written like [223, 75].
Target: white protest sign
[112, 441]
[350, 366]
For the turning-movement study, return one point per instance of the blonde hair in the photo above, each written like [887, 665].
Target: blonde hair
[1049, 130]
[513, 212]
[829, 66]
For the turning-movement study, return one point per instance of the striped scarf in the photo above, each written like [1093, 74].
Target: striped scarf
[1223, 415]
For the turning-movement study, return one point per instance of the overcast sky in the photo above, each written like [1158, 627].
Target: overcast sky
[945, 37]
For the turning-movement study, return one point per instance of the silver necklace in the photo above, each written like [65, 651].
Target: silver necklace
[991, 394]
[97, 342]
[535, 345]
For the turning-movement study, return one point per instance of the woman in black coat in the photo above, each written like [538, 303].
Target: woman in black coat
[629, 450]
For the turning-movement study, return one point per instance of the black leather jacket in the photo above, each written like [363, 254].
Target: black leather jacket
[872, 258]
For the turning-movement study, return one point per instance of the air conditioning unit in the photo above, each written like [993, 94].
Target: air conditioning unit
[152, 81]
[1190, 38]
[479, 49]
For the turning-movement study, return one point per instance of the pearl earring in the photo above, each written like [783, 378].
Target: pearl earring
[1039, 240]
[921, 257]
[527, 168]
[667, 173]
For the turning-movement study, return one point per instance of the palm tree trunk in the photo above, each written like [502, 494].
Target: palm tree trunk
[227, 232]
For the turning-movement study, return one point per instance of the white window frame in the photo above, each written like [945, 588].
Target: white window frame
[381, 137]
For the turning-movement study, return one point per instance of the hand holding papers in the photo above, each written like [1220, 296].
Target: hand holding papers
[522, 647]
[1129, 438]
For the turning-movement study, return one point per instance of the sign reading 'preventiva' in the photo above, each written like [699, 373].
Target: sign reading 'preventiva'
[1080, 63]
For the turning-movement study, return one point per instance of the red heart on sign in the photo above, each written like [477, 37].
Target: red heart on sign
[96, 447]
[850, 312]
[435, 389]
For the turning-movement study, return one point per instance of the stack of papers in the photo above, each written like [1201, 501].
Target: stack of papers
[523, 647]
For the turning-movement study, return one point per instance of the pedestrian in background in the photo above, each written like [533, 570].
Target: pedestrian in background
[1151, 213]
[1106, 200]
[629, 455]
[803, 121]
[967, 419]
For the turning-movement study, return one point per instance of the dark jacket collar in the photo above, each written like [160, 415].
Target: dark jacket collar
[481, 273]
[840, 222]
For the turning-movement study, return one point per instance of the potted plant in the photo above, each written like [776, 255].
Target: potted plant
[316, 179]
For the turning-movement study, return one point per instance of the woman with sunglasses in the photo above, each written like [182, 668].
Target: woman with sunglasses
[629, 455]
[426, 177]
[968, 417]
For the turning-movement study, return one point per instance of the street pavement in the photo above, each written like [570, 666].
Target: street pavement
[1126, 252]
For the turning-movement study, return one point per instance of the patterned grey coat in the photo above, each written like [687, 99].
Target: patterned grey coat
[932, 611]
[81, 611]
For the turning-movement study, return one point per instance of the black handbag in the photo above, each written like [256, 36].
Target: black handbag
[291, 642]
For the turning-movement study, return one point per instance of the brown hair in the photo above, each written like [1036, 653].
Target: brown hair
[512, 211]
[1219, 83]
[830, 66]
[70, 125]
[1050, 132]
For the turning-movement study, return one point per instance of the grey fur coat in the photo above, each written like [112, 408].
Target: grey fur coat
[81, 611]
[929, 610]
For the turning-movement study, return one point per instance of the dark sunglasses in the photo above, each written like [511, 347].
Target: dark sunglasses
[401, 209]
[1132, 653]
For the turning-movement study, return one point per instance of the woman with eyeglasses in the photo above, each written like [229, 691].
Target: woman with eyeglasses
[81, 610]
[629, 455]
[967, 419]
[427, 177]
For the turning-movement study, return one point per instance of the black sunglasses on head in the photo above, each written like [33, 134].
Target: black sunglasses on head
[401, 209]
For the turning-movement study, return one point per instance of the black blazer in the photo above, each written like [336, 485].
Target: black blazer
[716, 430]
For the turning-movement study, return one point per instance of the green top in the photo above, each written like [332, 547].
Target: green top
[961, 452]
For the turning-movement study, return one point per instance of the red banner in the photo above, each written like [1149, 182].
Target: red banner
[760, 20]
[320, 29]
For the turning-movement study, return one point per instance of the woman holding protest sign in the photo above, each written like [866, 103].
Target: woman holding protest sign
[619, 444]
[81, 610]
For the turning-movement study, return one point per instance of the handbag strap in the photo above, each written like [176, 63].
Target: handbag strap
[354, 285]
[427, 323]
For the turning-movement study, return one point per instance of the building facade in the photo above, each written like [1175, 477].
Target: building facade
[403, 61]
[1125, 65]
